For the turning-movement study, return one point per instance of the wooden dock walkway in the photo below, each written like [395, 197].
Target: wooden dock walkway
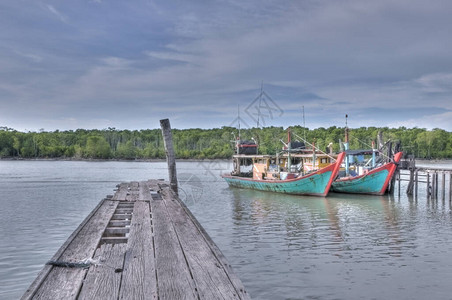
[141, 243]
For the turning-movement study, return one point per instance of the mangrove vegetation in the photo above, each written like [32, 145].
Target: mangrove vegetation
[112, 143]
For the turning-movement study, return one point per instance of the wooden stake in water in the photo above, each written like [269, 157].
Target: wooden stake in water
[432, 192]
[170, 157]
[416, 177]
[450, 186]
[436, 184]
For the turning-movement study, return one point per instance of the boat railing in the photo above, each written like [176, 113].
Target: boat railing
[316, 148]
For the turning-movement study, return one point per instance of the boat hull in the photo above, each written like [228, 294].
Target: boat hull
[315, 184]
[375, 182]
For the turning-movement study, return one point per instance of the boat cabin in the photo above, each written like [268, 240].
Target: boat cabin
[359, 162]
[273, 167]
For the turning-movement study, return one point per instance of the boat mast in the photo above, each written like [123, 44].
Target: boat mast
[373, 154]
[260, 103]
[289, 147]
[304, 125]
[237, 141]
[238, 117]
[313, 156]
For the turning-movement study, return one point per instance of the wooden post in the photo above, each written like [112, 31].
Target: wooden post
[380, 140]
[450, 186]
[389, 151]
[398, 176]
[409, 189]
[428, 185]
[416, 178]
[443, 194]
[436, 184]
[170, 157]
[434, 188]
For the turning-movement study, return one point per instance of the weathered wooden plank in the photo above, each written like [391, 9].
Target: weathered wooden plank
[139, 276]
[133, 191]
[29, 293]
[111, 231]
[127, 210]
[118, 223]
[122, 191]
[144, 193]
[125, 205]
[113, 240]
[104, 280]
[64, 283]
[173, 274]
[121, 217]
[233, 277]
[209, 269]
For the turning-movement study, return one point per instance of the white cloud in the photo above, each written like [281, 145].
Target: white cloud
[181, 57]
[436, 83]
[116, 62]
[32, 57]
[54, 11]
[442, 120]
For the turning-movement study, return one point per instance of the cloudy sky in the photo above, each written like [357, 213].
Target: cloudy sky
[128, 64]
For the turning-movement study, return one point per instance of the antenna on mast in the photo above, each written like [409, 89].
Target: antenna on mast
[304, 125]
[238, 117]
[260, 103]
[346, 129]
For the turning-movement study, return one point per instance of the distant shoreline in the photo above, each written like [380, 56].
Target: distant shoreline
[113, 159]
[152, 160]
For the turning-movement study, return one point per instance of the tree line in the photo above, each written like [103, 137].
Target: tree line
[112, 143]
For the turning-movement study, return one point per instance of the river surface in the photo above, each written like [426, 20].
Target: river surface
[281, 247]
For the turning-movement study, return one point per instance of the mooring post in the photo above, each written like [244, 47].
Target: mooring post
[428, 184]
[416, 178]
[443, 193]
[434, 185]
[170, 157]
[450, 186]
[409, 189]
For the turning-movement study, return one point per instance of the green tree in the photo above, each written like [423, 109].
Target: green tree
[97, 147]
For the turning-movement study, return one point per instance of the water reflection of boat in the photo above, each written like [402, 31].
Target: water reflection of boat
[336, 214]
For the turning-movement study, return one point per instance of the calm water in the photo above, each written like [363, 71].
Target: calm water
[282, 247]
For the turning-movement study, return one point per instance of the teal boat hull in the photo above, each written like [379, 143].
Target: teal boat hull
[315, 184]
[375, 182]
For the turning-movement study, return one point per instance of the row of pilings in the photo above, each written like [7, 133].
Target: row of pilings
[437, 181]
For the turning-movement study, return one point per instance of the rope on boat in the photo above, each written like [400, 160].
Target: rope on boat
[85, 263]
[314, 146]
[380, 152]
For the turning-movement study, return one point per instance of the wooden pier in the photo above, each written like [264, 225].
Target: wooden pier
[438, 180]
[141, 243]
